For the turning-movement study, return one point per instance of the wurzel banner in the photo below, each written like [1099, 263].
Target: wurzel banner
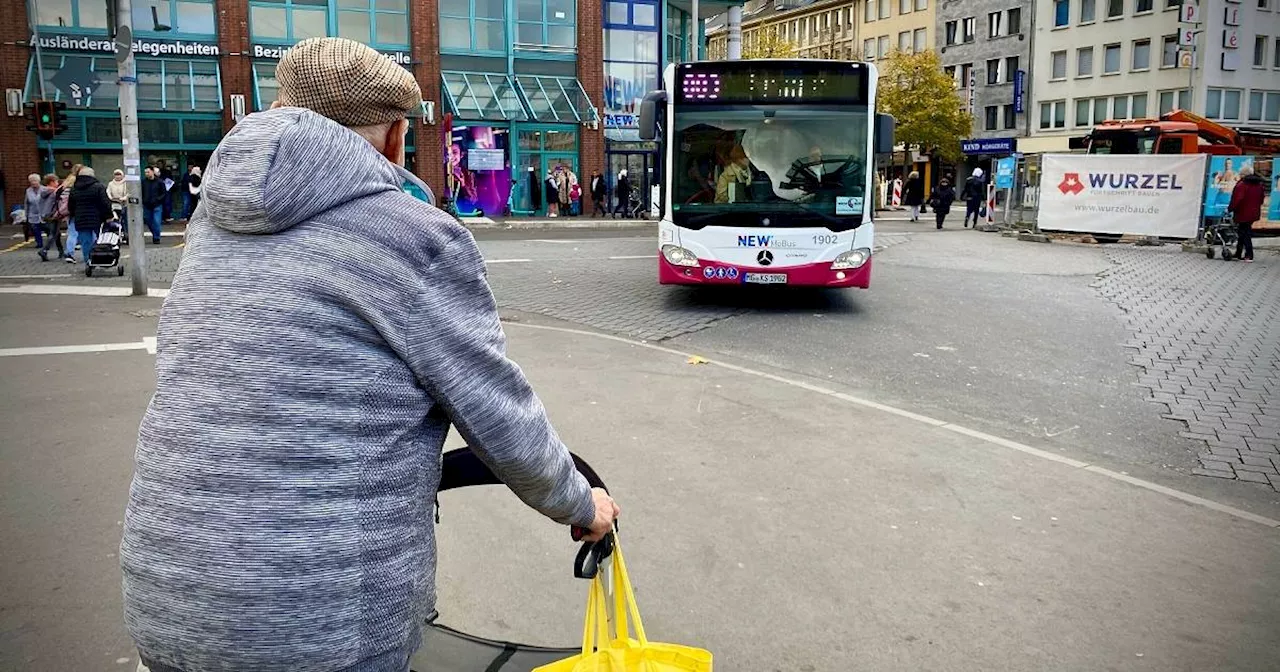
[1157, 195]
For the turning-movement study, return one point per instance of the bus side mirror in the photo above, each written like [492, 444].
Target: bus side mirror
[649, 114]
[884, 133]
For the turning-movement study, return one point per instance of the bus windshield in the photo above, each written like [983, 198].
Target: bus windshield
[770, 165]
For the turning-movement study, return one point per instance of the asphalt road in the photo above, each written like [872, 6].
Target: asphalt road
[782, 527]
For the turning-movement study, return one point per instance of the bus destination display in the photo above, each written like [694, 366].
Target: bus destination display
[772, 85]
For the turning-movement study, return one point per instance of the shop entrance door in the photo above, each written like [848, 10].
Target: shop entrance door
[639, 167]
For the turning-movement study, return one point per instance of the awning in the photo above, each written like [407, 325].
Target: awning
[556, 98]
[477, 95]
[496, 97]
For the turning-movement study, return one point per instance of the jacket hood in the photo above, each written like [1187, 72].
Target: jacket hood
[285, 166]
[84, 181]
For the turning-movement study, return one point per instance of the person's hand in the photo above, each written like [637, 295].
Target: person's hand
[606, 512]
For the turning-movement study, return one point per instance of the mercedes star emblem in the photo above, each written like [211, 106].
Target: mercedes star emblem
[765, 258]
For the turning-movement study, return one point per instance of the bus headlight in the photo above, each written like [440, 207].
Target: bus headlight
[851, 259]
[678, 256]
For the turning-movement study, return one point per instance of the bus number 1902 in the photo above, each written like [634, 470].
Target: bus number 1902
[825, 239]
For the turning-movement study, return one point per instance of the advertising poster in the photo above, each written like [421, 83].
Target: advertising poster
[1005, 168]
[478, 170]
[1224, 172]
[1143, 195]
[1273, 210]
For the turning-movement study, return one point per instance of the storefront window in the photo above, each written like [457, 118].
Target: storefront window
[102, 129]
[473, 25]
[630, 45]
[158, 131]
[478, 170]
[382, 23]
[172, 18]
[265, 84]
[677, 29]
[164, 84]
[288, 20]
[546, 23]
[87, 14]
[202, 131]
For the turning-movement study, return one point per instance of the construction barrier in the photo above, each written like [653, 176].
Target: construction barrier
[897, 192]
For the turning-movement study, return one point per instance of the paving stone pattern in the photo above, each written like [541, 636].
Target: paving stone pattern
[162, 264]
[1206, 337]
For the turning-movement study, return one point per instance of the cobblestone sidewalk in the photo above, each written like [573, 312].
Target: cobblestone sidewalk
[1206, 335]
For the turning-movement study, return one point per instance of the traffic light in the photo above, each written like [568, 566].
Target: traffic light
[47, 118]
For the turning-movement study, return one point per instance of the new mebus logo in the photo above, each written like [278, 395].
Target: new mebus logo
[764, 241]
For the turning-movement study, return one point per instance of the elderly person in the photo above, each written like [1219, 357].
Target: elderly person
[280, 516]
[1246, 208]
[52, 218]
[35, 208]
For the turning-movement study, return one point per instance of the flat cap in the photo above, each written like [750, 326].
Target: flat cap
[346, 81]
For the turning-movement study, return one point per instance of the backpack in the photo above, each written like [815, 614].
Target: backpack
[61, 211]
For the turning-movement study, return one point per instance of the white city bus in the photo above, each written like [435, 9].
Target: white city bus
[768, 170]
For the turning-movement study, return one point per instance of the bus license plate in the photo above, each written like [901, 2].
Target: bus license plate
[767, 278]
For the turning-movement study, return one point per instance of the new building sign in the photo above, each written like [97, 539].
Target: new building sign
[140, 46]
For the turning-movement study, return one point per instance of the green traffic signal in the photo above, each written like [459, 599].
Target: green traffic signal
[44, 119]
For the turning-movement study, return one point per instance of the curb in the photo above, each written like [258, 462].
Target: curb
[557, 223]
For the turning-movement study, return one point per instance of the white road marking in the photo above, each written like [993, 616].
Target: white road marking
[33, 277]
[69, 349]
[81, 290]
[507, 261]
[557, 242]
[933, 422]
[633, 256]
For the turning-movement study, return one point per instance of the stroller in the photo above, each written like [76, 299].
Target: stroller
[106, 250]
[1221, 233]
[635, 207]
[447, 650]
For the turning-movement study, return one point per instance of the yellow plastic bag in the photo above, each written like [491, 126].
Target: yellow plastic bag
[623, 653]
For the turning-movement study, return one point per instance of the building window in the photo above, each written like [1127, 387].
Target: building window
[994, 20]
[1084, 62]
[89, 14]
[868, 11]
[885, 8]
[1264, 106]
[1082, 111]
[1222, 104]
[883, 47]
[287, 21]
[1172, 4]
[1053, 114]
[1111, 59]
[376, 22]
[1260, 51]
[921, 39]
[904, 6]
[1142, 55]
[1061, 16]
[992, 115]
[1275, 55]
[167, 18]
[966, 73]
[868, 50]
[1139, 106]
[904, 41]
[1010, 68]
[951, 28]
[1120, 107]
[1167, 103]
[1088, 11]
[922, 5]
[473, 25]
[1169, 51]
[1144, 6]
[1013, 25]
[993, 71]
[1059, 63]
[1010, 117]
[970, 29]
[1115, 9]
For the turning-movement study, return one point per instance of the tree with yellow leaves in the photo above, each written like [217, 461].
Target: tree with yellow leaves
[767, 43]
[923, 102]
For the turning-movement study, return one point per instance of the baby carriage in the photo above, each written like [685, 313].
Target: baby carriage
[106, 250]
[1221, 233]
[447, 650]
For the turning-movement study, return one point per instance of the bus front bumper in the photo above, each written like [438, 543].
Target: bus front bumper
[808, 275]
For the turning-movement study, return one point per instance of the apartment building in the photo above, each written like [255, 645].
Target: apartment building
[902, 25]
[1096, 60]
[985, 45]
[823, 29]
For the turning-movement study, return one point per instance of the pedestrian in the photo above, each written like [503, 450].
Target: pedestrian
[622, 190]
[575, 193]
[599, 194]
[91, 208]
[67, 185]
[553, 194]
[153, 197]
[280, 516]
[913, 194]
[1246, 208]
[973, 194]
[193, 191]
[35, 207]
[563, 191]
[166, 180]
[118, 192]
[940, 199]
[53, 218]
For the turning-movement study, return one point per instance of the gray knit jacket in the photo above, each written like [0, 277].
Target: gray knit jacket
[323, 331]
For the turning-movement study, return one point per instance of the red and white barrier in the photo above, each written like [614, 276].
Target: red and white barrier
[897, 193]
[991, 203]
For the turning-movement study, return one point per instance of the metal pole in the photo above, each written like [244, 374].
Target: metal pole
[734, 52]
[697, 32]
[35, 37]
[129, 138]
